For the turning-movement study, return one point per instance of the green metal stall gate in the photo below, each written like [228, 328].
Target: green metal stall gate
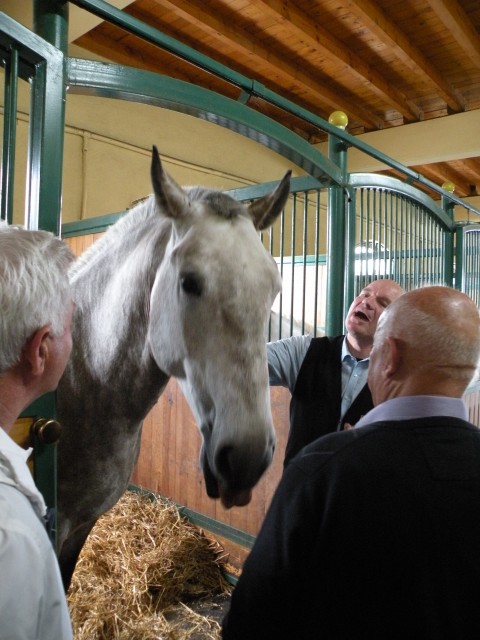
[338, 231]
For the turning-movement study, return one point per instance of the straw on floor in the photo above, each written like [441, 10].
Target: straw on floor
[140, 567]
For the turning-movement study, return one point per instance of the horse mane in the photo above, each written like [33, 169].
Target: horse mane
[138, 219]
[126, 229]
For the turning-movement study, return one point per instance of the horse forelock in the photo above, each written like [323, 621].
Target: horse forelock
[220, 203]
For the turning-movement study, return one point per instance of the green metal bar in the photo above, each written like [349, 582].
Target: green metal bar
[90, 225]
[316, 252]
[9, 135]
[292, 254]
[459, 254]
[351, 234]
[335, 309]
[42, 65]
[302, 183]
[114, 81]
[411, 193]
[48, 116]
[50, 22]
[304, 257]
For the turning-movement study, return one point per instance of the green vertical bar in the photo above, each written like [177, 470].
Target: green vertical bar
[50, 18]
[337, 153]
[293, 256]
[9, 136]
[50, 22]
[448, 206]
[350, 253]
[459, 246]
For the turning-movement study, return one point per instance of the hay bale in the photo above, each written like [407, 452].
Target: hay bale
[140, 561]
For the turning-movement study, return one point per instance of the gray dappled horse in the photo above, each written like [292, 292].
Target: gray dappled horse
[181, 286]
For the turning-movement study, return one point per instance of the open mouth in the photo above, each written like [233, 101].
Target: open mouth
[361, 316]
[239, 498]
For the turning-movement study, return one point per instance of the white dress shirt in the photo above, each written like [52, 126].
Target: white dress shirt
[32, 600]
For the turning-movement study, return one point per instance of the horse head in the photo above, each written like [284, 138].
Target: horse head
[209, 306]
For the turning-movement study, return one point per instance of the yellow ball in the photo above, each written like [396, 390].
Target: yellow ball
[448, 186]
[338, 119]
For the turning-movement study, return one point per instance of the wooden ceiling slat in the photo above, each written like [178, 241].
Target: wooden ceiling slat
[383, 62]
[200, 13]
[457, 21]
[319, 39]
[376, 20]
[441, 172]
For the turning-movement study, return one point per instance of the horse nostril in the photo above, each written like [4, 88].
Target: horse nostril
[224, 464]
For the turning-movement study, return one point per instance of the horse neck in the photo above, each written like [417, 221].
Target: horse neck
[112, 292]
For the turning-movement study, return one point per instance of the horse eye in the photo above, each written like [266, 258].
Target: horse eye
[190, 284]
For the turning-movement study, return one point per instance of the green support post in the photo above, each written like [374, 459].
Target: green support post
[459, 235]
[449, 207]
[50, 22]
[9, 136]
[50, 19]
[337, 153]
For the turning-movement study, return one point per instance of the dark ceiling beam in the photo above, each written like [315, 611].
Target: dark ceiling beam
[320, 40]
[459, 24]
[202, 15]
[386, 31]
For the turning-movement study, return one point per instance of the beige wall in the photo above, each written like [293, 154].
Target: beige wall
[108, 143]
[108, 148]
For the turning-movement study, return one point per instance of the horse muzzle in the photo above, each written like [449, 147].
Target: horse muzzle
[236, 473]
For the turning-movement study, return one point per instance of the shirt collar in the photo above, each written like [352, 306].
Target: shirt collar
[411, 407]
[15, 472]
[347, 355]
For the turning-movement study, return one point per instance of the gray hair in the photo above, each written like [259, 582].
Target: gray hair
[34, 288]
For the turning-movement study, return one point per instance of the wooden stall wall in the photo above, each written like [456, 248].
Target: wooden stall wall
[169, 457]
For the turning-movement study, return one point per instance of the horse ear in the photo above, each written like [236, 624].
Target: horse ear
[170, 197]
[264, 210]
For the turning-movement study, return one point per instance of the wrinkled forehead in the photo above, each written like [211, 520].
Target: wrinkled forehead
[388, 290]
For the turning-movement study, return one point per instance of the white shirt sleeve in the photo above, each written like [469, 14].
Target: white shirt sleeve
[285, 358]
[32, 600]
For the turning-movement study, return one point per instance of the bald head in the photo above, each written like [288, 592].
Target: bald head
[427, 342]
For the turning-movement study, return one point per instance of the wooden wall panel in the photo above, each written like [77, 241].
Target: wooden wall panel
[168, 463]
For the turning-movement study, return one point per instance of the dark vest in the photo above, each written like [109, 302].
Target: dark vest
[317, 397]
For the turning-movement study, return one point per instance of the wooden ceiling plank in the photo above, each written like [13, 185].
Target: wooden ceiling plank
[440, 172]
[458, 23]
[202, 15]
[322, 41]
[376, 20]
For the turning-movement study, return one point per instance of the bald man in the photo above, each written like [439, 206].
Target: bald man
[327, 376]
[374, 532]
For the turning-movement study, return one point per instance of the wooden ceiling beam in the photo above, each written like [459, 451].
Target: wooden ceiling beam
[376, 20]
[200, 14]
[440, 172]
[320, 40]
[458, 23]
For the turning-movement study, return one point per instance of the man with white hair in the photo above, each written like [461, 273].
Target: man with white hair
[36, 311]
[374, 532]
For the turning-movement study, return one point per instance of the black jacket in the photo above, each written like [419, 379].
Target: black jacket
[372, 533]
[317, 397]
